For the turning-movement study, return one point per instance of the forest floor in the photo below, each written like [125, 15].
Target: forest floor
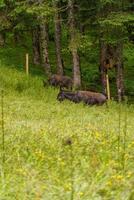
[62, 151]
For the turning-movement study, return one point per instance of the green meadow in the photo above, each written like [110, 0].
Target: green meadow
[52, 150]
[62, 151]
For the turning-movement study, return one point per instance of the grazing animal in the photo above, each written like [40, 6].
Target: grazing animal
[91, 98]
[87, 97]
[61, 81]
[68, 95]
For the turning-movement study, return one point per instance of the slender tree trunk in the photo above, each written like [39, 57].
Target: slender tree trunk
[76, 69]
[36, 46]
[119, 70]
[103, 71]
[44, 47]
[76, 60]
[2, 39]
[57, 19]
[44, 40]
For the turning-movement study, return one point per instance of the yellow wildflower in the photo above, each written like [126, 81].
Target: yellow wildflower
[39, 154]
[68, 187]
[119, 177]
[97, 135]
[109, 183]
[129, 174]
[81, 194]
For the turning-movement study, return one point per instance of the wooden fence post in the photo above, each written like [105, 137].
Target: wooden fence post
[108, 87]
[27, 64]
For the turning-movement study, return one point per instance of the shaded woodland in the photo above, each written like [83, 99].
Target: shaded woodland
[72, 27]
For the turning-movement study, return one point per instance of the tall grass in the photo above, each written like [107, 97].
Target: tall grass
[63, 150]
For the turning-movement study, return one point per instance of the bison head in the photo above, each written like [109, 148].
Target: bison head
[61, 95]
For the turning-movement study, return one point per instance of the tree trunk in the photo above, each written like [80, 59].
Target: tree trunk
[44, 47]
[103, 70]
[2, 39]
[119, 70]
[36, 46]
[76, 69]
[76, 60]
[57, 19]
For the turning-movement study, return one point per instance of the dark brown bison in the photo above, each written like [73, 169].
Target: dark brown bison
[91, 98]
[87, 97]
[68, 95]
[61, 81]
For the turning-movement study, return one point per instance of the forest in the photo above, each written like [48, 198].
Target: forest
[66, 99]
[96, 37]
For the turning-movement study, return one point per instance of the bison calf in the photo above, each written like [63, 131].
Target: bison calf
[61, 81]
[87, 97]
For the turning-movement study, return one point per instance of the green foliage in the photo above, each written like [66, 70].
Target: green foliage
[2, 4]
[114, 19]
[4, 23]
[43, 10]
